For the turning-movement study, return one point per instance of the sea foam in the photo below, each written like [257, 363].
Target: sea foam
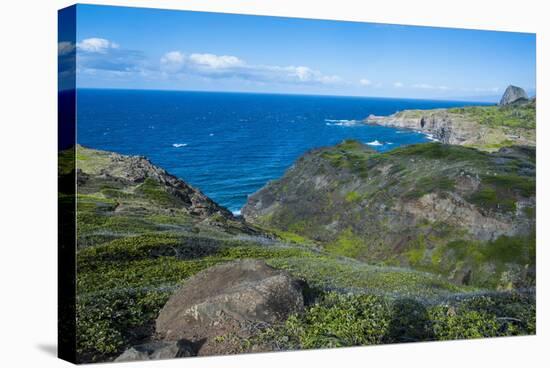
[178, 145]
[375, 143]
[341, 122]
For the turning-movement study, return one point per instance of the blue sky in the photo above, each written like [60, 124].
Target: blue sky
[120, 47]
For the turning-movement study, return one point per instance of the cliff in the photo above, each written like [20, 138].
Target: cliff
[457, 211]
[484, 127]
[143, 234]
[122, 195]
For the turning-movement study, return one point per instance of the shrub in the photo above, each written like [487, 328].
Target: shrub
[335, 321]
[448, 325]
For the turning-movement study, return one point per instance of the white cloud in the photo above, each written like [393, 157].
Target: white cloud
[65, 47]
[95, 54]
[172, 61]
[173, 57]
[306, 75]
[96, 45]
[493, 89]
[423, 86]
[303, 73]
[365, 82]
[480, 89]
[429, 86]
[215, 61]
[398, 84]
[99, 54]
[226, 66]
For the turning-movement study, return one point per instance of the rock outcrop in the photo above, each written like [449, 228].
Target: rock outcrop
[231, 298]
[513, 94]
[484, 127]
[438, 123]
[405, 206]
[157, 350]
[131, 191]
[132, 171]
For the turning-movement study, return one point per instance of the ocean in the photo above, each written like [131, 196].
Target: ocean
[229, 145]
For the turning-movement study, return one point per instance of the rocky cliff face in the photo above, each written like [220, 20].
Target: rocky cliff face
[484, 127]
[439, 123]
[136, 174]
[513, 94]
[431, 206]
[124, 195]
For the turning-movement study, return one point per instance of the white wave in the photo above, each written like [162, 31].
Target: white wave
[342, 122]
[375, 143]
[237, 212]
[178, 145]
[431, 138]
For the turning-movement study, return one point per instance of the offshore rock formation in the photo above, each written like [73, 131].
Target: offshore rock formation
[513, 94]
[436, 207]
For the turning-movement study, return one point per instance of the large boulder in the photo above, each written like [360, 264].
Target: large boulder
[231, 299]
[513, 94]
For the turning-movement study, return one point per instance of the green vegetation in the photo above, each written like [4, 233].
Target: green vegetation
[438, 151]
[350, 154]
[498, 191]
[516, 116]
[153, 191]
[123, 284]
[411, 206]
[138, 242]
[347, 244]
[327, 272]
[426, 185]
[487, 128]
[337, 320]
[475, 256]
[353, 197]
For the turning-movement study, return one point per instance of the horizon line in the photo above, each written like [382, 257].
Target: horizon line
[450, 99]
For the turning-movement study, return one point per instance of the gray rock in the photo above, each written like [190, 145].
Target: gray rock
[132, 355]
[513, 94]
[157, 350]
[230, 298]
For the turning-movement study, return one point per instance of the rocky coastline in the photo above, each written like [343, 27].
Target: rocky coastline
[484, 127]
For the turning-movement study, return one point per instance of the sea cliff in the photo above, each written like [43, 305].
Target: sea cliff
[457, 211]
[484, 127]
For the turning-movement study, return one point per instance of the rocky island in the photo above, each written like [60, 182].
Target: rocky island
[427, 242]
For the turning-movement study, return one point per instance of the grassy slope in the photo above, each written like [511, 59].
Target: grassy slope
[138, 243]
[365, 206]
[516, 122]
[489, 127]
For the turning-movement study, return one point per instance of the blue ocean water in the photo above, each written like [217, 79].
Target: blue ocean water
[229, 145]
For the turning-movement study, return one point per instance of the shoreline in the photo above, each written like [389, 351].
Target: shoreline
[487, 128]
